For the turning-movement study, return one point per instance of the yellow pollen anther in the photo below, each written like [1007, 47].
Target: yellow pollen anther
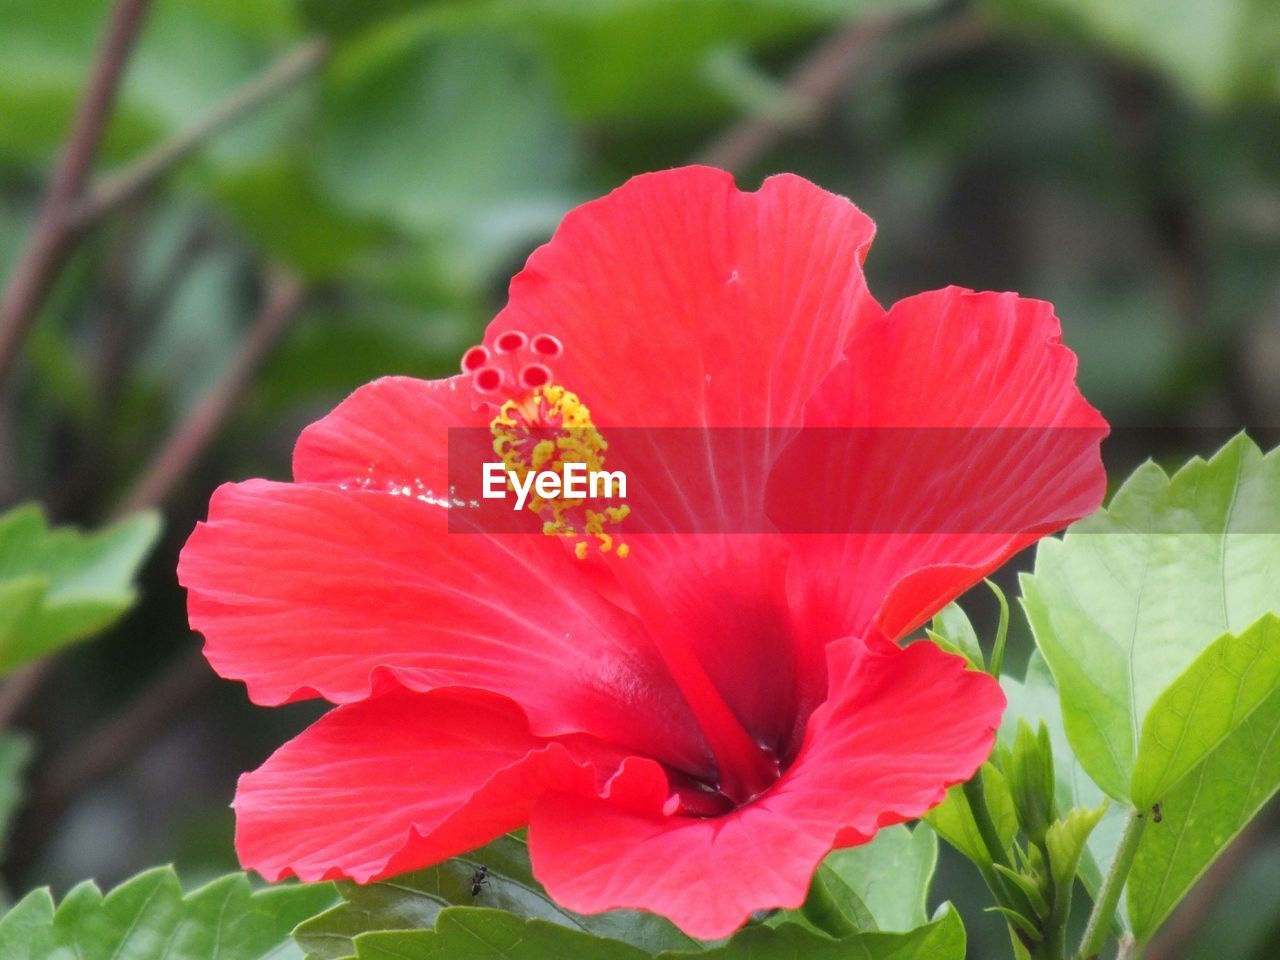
[545, 430]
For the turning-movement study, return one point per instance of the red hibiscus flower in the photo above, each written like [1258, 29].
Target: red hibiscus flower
[690, 728]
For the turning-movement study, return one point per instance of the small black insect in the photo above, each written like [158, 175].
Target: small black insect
[1157, 813]
[479, 879]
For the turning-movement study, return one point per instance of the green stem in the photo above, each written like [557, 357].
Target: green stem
[1054, 946]
[1055, 928]
[1104, 908]
[1006, 893]
[977, 798]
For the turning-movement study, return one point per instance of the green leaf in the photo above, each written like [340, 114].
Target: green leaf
[1211, 803]
[59, 585]
[1066, 840]
[477, 934]
[465, 933]
[342, 17]
[148, 917]
[284, 212]
[48, 46]
[1022, 923]
[433, 913]
[952, 627]
[1002, 629]
[953, 819]
[1236, 678]
[941, 939]
[441, 132]
[336, 350]
[1130, 597]
[601, 53]
[832, 906]
[1029, 887]
[413, 901]
[891, 875]
[1218, 51]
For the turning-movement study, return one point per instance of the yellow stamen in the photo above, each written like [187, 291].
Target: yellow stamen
[520, 439]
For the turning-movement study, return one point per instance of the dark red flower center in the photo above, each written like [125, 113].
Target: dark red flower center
[539, 424]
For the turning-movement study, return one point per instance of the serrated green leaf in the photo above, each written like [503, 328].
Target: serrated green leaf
[413, 901]
[60, 585]
[477, 934]
[1066, 841]
[891, 875]
[1235, 678]
[1131, 596]
[149, 918]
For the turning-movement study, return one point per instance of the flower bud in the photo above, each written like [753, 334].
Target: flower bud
[1029, 770]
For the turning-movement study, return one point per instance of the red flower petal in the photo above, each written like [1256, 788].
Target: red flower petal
[302, 589]
[901, 727]
[965, 440]
[720, 601]
[391, 431]
[681, 301]
[407, 779]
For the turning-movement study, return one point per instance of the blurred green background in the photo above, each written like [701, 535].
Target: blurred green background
[1121, 159]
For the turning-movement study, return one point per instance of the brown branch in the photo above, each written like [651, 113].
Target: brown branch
[113, 360]
[283, 298]
[22, 299]
[811, 87]
[146, 170]
[827, 72]
[56, 228]
[18, 689]
[68, 213]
